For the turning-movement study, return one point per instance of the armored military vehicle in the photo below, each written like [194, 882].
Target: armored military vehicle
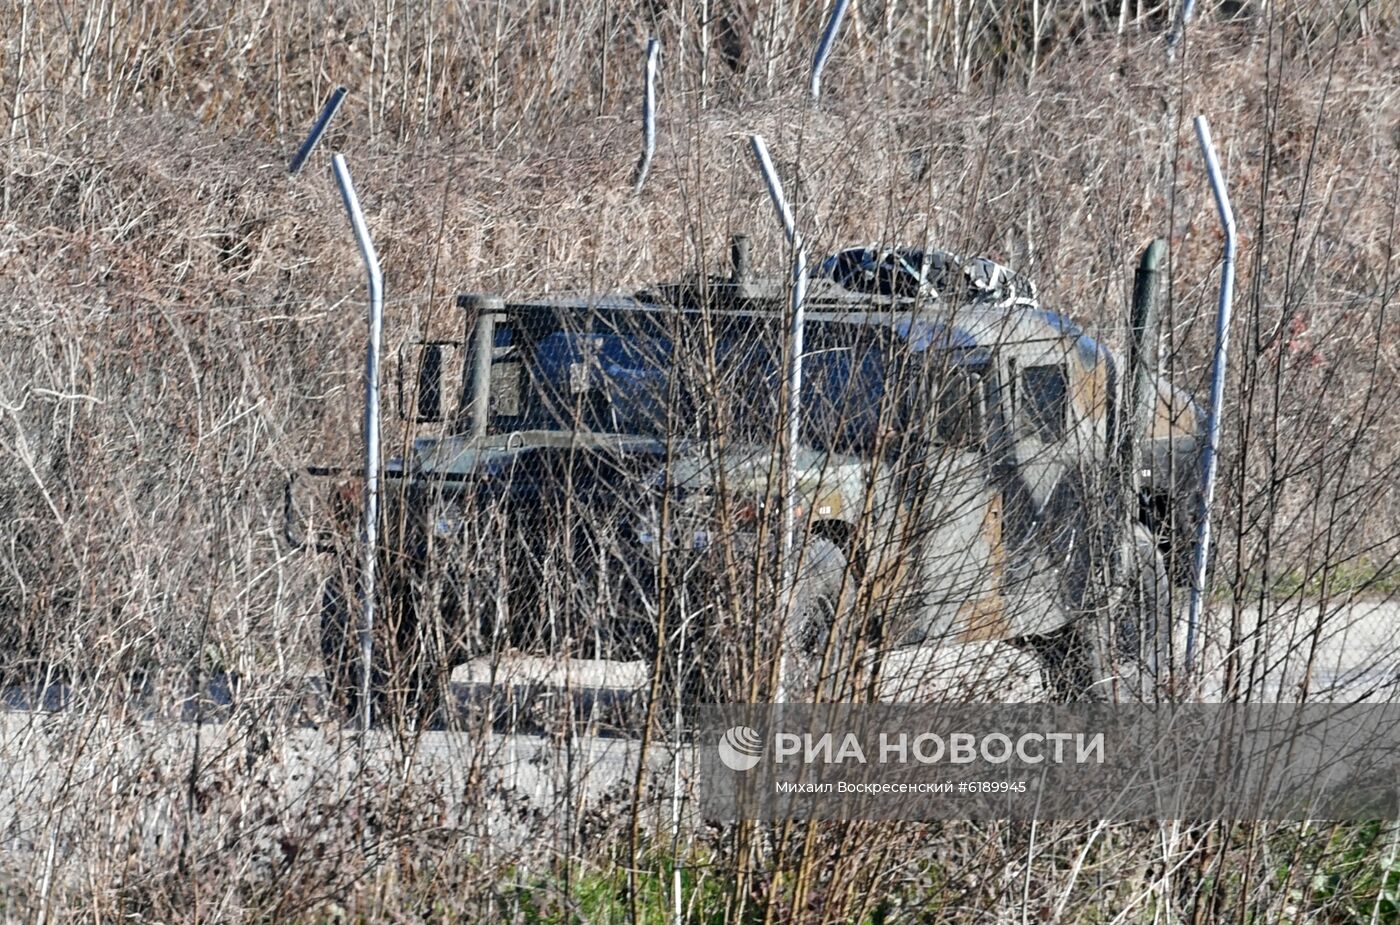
[606, 477]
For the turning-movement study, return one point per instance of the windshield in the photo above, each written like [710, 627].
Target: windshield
[863, 388]
[589, 381]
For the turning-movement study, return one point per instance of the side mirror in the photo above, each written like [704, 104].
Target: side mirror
[435, 369]
[430, 383]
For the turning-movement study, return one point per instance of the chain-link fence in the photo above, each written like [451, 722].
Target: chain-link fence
[604, 479]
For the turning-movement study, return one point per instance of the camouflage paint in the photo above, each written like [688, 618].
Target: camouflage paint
[986, 618]
[833, 487]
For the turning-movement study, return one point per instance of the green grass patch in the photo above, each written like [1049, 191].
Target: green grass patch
[601, 897]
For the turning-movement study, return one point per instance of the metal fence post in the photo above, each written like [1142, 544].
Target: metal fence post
[370, 530]
[318, 129]
[794, 397]
[833, 26]
[648, 115]
[1217, 383]
[1179, 29]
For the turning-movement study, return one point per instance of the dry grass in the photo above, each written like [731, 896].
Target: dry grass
[185, 319]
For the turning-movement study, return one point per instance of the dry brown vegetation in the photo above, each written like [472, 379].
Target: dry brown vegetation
[184, 323]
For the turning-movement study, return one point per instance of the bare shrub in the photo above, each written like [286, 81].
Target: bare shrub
[185, 330]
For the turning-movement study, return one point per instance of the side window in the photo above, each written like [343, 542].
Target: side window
[1043, 403]
[960, 407]
[504, 387]
[941, 400]
[843, 395]
[751, 377]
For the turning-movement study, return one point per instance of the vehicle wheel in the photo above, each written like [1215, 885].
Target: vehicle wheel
[819, 644]
[820, 641]
[339, 650]
[404, 678]
[691, 669]
[1120, 652]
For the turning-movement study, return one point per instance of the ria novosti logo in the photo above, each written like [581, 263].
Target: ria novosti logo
[740, 748]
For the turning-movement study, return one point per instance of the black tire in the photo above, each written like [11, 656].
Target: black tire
[339, 650]
[820, 640]
[819, 644]
[691, 662]
[1119, 653]
[405, 678]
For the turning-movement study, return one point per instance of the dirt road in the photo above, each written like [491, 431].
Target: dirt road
[542, 772]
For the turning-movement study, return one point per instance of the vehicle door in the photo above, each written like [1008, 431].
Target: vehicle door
[946, 535]
[1044, 467]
